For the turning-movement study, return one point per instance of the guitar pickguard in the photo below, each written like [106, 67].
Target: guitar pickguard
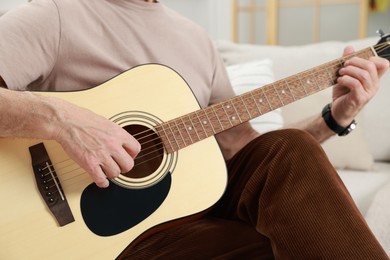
[115, 209]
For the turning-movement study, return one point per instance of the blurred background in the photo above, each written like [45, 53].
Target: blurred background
[283, 22]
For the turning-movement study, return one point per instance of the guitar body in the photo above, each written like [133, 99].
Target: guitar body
[106, 221]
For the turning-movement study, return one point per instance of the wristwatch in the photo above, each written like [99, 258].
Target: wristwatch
[333, 125]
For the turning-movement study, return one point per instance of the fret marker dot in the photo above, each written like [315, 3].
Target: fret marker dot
[261, 100]
[308, 82]
[190, 128]
[205, 122]
[227, 106]
[233, 118]
[283, 91]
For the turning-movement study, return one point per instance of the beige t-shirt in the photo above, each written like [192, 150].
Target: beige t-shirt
[57, 45]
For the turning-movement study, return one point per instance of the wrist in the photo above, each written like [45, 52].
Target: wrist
[43, 120]
[334, 125]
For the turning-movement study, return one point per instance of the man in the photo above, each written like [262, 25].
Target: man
[69, 45]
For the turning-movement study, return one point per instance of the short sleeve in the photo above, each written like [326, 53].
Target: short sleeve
[29, 43]
[221, 88]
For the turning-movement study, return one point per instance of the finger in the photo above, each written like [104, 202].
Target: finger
[99, 177]
[368, 72]
[358, 95]
[368, 65]
[132, 146]
[382, 65]
[110, 167]
[124, 161]
[367, 80]
[377, 64]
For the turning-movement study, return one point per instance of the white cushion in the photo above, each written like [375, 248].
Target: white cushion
[378, 216]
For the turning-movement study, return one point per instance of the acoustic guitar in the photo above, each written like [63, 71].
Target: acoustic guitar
[51, 208]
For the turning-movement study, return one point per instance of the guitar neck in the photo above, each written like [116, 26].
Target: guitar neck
[196, 126]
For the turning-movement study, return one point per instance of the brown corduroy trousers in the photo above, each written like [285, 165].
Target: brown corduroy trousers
[284, 200]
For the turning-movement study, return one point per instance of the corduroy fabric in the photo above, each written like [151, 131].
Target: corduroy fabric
[284, 200]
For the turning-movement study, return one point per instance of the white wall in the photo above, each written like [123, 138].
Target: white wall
[215, 17]
[379, 21]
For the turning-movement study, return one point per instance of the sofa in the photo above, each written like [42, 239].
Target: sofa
[362, 158]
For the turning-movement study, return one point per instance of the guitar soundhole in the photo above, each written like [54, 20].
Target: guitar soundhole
[151, 155]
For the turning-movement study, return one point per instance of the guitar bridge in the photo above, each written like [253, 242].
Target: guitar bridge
[49, 185]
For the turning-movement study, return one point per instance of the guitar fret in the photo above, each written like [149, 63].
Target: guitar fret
[288, 86]
[302, 85]
[277, 92]
[267, 99]
[193, 128]
[273, 96]
[246, 108]
[206, 123]
[315, 78]
[236, 114]
[287, 96]
[180, 133]
[167, 139]
[218, 118]
[198, 126]
[210, 122]
[222, 116]
[254, 99]
[306, 80]
[322, 78]
[260, 98]
[251, 107]
[329, 75]
[227, 115]
[296, 88]
[174, 136]
[184, 127]
[201, 123]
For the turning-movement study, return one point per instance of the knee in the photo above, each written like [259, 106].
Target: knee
[294, 146]
[293, 139]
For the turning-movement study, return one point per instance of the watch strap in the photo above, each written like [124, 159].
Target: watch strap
[333, 125]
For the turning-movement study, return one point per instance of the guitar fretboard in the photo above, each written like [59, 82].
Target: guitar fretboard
[196, 126]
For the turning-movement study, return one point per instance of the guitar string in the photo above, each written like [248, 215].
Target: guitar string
[384, 45]
[337, 65]
[270, 86]
[87, 176]
[214, 112]
[378, 48]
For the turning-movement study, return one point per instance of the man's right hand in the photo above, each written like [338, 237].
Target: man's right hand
[101, 147]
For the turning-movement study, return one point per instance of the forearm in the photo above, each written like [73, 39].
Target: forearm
[316, 126]
[234, 139]
[24, 114]
[101, 147]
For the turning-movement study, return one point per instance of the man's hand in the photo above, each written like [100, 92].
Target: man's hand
[98, 145]
[102, 148]
[356, 86]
